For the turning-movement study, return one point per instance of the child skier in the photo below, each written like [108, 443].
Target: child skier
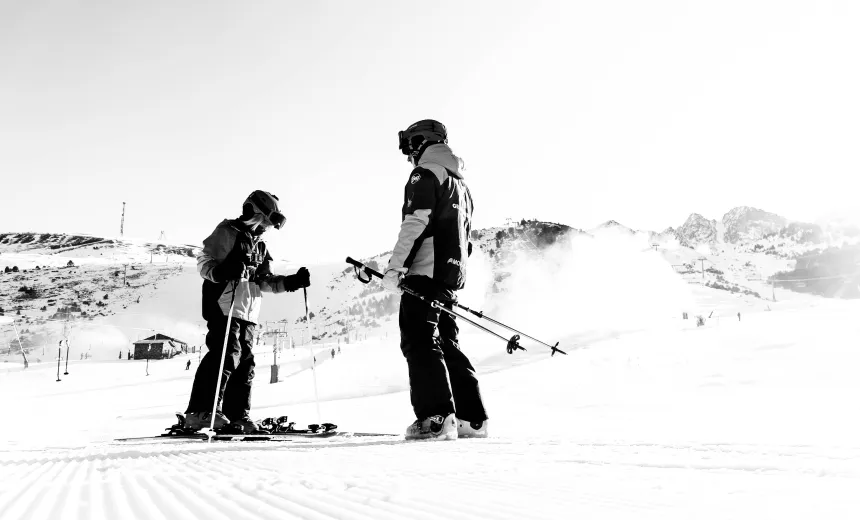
[235, 266]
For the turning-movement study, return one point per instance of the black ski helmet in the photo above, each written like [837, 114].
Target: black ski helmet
[263, 203]
[413, 139]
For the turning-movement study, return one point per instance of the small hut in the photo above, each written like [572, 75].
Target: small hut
[158, 346]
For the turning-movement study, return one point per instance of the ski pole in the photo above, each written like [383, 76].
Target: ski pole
[313, 356]
[480, 314]
[512, 342]
[210, 434]
[356, 264]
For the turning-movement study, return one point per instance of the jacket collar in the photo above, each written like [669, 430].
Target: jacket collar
[442, 155]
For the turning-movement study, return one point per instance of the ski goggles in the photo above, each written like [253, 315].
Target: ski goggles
[277, 219]
[404, 142]
[272, 214]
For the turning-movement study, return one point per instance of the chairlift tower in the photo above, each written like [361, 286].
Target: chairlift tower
[122, 221]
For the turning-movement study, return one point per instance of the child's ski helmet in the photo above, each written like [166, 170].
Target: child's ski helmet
[264, 203]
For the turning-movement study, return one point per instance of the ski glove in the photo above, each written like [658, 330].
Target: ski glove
[301, 279]
[227, 271]
[391, 281]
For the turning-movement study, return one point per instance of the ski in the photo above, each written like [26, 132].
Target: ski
[271, 429]
[299, 436]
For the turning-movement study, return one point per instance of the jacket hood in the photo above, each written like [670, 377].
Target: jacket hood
[442, 155]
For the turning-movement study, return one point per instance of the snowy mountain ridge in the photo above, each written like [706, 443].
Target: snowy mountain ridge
[109, 274]
[749, 229]
[747, 223]
[743, 249]
[697, 230]
[81, 245]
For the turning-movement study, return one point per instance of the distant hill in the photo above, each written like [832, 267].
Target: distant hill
[86, 245]
[351, 304]
[46, 278]
[44, 296]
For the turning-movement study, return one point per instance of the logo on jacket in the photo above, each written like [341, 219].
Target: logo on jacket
[456, 262]
[415, 178]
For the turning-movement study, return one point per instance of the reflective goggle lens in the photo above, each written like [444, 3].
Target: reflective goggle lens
[277, 219]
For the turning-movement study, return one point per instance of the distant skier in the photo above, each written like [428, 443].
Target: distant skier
[430, 258]
[236, 269]
[188, 365]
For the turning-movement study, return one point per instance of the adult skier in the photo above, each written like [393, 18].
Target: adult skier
[430, 258]
[236, 270]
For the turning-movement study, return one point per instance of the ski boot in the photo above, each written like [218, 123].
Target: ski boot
[198, 420]
[436, 427]
[466, 429]
[244, 425]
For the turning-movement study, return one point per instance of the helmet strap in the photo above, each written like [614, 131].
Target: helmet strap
[421, 149]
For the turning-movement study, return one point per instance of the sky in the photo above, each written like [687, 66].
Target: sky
[571, 112]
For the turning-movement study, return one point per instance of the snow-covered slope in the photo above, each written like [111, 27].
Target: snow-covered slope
[48, 278]
[741, 418]
[648, 416]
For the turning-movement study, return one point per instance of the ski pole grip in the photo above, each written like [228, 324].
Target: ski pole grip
[360, 265]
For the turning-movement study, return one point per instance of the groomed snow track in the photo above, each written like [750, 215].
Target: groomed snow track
[393, 479]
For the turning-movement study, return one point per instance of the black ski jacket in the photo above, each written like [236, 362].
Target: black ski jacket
[436, 220]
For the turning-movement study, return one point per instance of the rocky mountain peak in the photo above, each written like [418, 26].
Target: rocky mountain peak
[613, 225]
[697, 230]
[748, 223]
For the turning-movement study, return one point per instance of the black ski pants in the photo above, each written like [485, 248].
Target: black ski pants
[441, 377]
[234, 396]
